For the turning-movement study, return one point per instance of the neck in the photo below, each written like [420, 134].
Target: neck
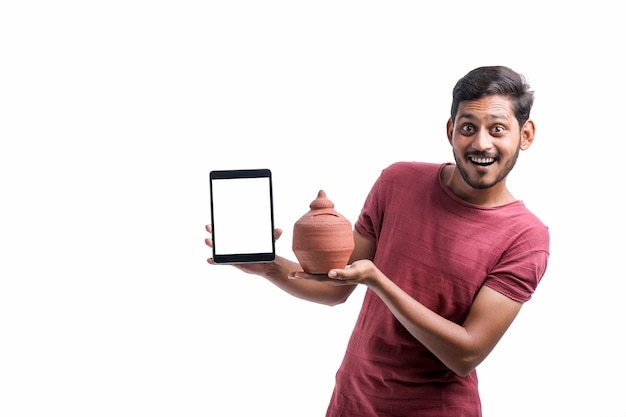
[494, 196]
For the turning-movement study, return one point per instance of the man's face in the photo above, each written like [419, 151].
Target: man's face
[486, 139]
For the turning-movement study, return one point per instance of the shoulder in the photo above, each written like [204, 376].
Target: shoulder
[401, 166]
[529, 233]
[525, 219]
[410, 170]
[407, 182]
[537, 233]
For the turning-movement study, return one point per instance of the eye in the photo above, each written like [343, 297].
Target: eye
[498, 130]
[467, 128]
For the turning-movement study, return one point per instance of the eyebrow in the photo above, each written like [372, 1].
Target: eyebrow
[493, 116]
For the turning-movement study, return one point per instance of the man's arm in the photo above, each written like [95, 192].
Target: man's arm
[281, 271]
[460, 347]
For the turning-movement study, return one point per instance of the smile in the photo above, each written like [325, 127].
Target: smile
[483, 161]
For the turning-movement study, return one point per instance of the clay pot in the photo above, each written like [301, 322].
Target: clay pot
[322, 238]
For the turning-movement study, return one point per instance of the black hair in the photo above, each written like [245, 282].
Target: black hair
[495, 80]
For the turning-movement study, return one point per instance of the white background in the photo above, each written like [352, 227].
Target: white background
[113, 113]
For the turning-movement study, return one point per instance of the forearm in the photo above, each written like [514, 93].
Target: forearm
[450, 342]
[317, 292]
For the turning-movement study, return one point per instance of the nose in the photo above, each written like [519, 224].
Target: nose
[482, 140]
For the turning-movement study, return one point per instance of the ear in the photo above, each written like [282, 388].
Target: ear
[450, 129]
[528, 135]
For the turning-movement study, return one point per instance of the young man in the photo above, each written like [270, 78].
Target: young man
[448, 256]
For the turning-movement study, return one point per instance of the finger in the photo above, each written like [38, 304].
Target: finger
[311, 277]
[304, 275]
[208, 242]
[208, 228]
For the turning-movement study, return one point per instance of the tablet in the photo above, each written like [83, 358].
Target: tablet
[242, 216]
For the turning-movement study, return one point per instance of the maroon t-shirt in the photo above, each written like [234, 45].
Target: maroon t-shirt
[441, 250]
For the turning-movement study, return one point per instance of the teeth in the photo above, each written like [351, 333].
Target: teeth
[482, 160]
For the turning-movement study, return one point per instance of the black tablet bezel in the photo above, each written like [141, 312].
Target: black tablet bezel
[237, 258]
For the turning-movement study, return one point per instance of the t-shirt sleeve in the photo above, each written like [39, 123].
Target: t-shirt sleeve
[522, 266]
[368, 223]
